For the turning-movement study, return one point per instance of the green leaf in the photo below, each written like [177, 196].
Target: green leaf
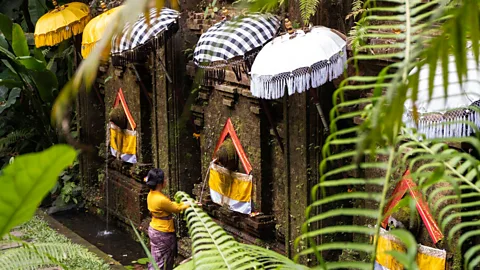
[143, 261]
[6, 26]
[3, 42]
[39, 55]
[10, 83]
[19, 41]
[31, 63]
[186, 266]
[27, 180]
[36, 8]
[46, 82]
[3, 93]
[12, 99]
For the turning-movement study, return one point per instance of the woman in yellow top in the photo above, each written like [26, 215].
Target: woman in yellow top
[163, 240]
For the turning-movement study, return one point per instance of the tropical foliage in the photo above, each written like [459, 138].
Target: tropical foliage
[26, 181]
[24, 74]
[29, 82]
[413, 31]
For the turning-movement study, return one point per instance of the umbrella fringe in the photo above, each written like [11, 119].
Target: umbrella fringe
[61, 34]
[88, 48]
[141, 53]
[215, 71]
[301, 79]
[212, 76]
[443, 127]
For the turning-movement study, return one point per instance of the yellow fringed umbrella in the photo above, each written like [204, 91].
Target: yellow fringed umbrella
[61, 23]
[94, 30]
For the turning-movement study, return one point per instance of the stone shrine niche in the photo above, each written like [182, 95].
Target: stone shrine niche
[230, 185]
[215, 106]
[137, 91]
[126, 190]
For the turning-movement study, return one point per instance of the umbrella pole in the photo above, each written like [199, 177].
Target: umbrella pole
[165, 70]
[269, 118]
[142, 86]
[320, 111]
[287, 175]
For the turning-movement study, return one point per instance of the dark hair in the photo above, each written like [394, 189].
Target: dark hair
[155, 177]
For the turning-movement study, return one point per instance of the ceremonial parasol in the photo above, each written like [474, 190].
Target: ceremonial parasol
[94, 30]
[234, 43]
[298, 61]
[446, 116]
[61, 23]
[137, 38]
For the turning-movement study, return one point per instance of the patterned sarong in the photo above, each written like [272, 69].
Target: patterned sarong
[163, 247]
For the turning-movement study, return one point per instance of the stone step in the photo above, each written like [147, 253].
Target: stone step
[8, 245]
[15, 234]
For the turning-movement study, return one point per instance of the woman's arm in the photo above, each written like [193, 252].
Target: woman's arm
[173, 207]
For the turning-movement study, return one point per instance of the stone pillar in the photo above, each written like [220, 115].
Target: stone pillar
[174, 144]
[91, 109]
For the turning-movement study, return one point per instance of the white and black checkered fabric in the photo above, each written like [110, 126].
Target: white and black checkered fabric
[234, 38]
[139, 33]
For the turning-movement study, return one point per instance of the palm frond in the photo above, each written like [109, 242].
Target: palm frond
[213, 248]
[399, 33]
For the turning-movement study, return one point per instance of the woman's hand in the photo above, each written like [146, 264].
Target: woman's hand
[190, 203]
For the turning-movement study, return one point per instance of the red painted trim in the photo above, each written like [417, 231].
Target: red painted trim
[121, 98]
[422, 207]
[228, 129]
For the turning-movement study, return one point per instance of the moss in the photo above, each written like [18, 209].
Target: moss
[118, 117]
[404, 215]
[227, 155]
[457, 260]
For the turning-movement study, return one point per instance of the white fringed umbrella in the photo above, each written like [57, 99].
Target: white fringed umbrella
[298, 63]
[444, 117]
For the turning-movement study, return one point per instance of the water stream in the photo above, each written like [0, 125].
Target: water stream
[106, 232]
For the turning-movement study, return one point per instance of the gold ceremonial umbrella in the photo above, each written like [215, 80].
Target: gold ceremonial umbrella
[61, 23]
[94, 30]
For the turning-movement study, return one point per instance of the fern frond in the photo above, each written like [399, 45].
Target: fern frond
[308, 8]
[213, 248]
[34, 256]
[14, 137]
[399, 33]
[357, 9]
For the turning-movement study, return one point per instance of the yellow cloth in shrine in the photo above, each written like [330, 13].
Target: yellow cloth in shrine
[232, 188]
[427, 257]
[123, 142]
